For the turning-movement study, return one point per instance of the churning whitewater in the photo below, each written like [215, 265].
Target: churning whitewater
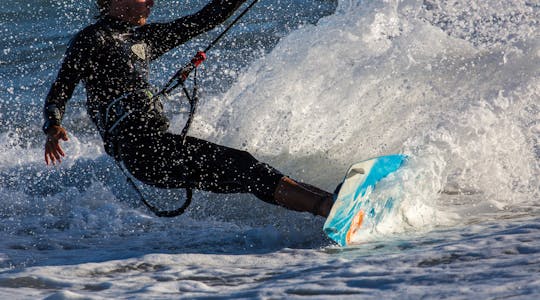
[309, 87]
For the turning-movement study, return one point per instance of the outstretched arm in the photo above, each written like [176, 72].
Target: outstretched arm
[61, 91]
[163, 37]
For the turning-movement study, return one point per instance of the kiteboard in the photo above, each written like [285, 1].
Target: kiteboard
[353, 210]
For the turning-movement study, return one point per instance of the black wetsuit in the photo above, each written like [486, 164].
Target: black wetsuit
[111, 58]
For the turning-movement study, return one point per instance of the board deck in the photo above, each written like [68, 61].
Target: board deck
[351, 209]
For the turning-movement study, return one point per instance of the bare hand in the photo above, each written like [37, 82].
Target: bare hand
[53, 151]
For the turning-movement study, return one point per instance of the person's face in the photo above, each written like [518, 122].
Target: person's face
[133, 11]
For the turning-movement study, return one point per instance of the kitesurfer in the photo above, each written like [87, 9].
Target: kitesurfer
[111, 57]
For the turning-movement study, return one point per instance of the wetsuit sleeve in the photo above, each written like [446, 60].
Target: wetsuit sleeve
[71, 72]
[163, 37]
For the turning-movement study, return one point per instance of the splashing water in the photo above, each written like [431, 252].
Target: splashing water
[452, 84]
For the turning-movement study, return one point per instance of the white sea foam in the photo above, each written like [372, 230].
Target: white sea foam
[374, 79]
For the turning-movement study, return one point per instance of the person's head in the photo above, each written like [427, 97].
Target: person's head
[133, 11]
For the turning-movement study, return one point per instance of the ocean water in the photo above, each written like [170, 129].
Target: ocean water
[309, 87]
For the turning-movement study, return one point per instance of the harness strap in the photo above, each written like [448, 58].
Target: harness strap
[120, 114]
[155, 210]
[193, 100]
[121, 118]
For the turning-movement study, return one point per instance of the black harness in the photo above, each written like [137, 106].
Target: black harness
[119, 112]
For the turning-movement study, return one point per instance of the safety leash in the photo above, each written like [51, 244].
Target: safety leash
[179, 79]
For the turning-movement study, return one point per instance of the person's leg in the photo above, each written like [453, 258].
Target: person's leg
[165, 162]
[300, 196]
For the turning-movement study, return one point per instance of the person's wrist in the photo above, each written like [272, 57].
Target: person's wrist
[48, 125]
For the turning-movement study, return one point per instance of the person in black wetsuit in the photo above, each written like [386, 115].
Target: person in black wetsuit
[111, 58]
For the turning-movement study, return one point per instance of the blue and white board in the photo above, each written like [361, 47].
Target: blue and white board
[352, 209]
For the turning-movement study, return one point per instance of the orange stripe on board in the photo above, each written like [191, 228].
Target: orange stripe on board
[355, 226]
